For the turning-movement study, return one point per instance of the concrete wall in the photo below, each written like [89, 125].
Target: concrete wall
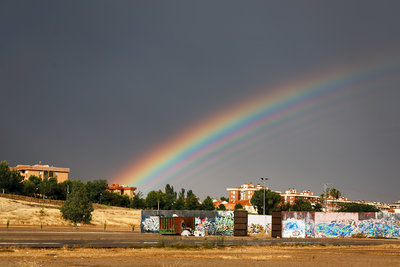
[206, 222]
[340, 224]
[259, 224]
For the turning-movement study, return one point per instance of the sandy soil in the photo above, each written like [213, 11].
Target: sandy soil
[383, 255]
[19, 212]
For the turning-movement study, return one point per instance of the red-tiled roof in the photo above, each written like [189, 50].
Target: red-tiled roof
[120, 187]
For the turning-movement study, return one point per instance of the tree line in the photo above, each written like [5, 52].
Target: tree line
[12, 182]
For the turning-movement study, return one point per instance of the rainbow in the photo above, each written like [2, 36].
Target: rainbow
[209, 142]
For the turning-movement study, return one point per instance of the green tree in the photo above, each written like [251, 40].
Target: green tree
[335, 193]
[356, 207]
[238, 206]
[34, 179]
[224, 199]
[152, 199]
[77, 207]
[15, 183]
[95, 190]
[286, 207]
[169, 197]
[221, 207]
[317, 207]
[190, 194]
[45, 187]
[115, 199]
[180, 203]
[58, 191]
[272, 199]
[10, 181]
[192, 202]
[302, 205]
[138, 201]
[4, 176]
[29, 188]
[207, 204]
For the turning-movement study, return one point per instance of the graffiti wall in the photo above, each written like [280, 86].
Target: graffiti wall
[259, 224]
[206, 222]
[151, 224]
[340, 224]
[297, 224]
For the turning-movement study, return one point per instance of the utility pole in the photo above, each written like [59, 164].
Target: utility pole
[264, 179]
[326, 195]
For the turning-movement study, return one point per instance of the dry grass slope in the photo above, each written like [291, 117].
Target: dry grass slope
[20, 212]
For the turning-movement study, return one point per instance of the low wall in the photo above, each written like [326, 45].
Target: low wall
[259, 224]
[206, 222]
[340, 224]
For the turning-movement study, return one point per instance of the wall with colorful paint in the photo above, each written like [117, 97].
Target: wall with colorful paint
[206, 222]
[340, 224]
[259, 224]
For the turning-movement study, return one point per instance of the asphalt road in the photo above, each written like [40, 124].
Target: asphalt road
[71, 237]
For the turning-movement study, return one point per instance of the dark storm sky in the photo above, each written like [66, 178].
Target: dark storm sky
[91, 85]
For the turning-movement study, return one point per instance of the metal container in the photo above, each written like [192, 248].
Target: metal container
[175, 225]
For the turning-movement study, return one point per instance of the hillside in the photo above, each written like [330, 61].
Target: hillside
[25, 212]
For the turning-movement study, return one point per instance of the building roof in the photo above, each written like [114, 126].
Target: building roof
[250, 187]
[38, 167]
[120, 187]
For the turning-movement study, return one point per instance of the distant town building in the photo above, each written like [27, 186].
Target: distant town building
[243, 195]
[395, 207]
[245, 192]
[43, 171]
[122, 189]
[291, 195]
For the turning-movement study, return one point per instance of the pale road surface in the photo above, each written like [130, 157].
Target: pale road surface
[55, 237]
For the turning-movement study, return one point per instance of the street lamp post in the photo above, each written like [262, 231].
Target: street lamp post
[264, 179]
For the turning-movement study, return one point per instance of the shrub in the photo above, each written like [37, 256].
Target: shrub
[77, 208]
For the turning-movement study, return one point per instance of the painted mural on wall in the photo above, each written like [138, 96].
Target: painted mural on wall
[259, 224]
[294, 228]
[151, 224]
[297, 224]
[337, 224]
[206, 223]
[222, 224]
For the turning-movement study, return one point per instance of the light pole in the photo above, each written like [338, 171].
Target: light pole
[326, 188]
[264, 179]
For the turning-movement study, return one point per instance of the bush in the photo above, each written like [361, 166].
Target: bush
[77, 208]
[238, 206]
[356, 207]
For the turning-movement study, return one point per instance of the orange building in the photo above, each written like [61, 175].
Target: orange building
[122, 189]
[243, 195]
[43, 171]
[291, 195]
[244, 192]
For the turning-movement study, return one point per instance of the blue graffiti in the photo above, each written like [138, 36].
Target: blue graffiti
[368, 228]
[334, 229]
[292, 226]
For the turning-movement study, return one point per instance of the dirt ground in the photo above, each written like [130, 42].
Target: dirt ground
[382, 255]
